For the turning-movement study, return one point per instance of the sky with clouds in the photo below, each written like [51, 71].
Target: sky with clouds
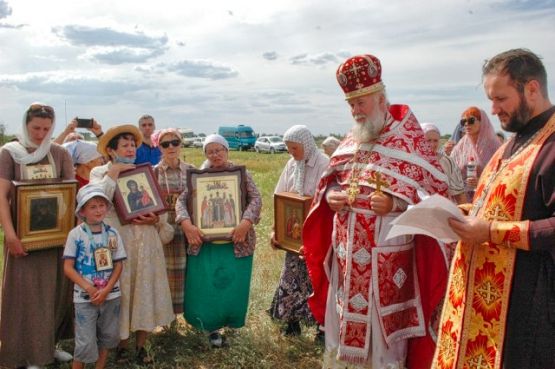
[270, 65]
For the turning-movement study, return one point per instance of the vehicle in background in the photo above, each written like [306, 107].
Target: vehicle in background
[271, 144]
[187, 137]
[199, 141]
[238, 137]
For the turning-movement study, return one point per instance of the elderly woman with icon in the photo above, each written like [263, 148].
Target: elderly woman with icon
[300, 175]
[171, 172]
[475, 148]
[218, 273]
[145, 293]
[85, 157]
[36, 297]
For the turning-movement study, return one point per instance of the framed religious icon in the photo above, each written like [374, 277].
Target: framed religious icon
[137, 193]
[43, 212]
[217, 198]
[290, 211]
[103, 259]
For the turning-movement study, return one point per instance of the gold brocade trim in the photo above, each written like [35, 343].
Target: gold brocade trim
[365, 91]
[473, 323]
[511, 234]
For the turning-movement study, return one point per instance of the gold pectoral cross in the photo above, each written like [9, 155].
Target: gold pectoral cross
[352, 191]
[377, 180]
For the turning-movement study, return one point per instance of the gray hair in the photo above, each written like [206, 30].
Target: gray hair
[145, 116]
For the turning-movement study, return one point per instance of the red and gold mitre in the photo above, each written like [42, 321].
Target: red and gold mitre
[360, 75]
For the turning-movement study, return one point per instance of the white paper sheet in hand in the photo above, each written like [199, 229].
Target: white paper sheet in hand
[428, 217]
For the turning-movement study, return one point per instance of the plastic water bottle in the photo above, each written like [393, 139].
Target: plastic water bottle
[471, 169]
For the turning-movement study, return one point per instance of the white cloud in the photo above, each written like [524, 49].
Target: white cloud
[104, 36]
[270, 55]
[122, 55]
[70, 85]
[5, 9]
[270, 65]
[203, 69]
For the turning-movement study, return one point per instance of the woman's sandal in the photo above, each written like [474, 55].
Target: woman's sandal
[122, 354]
[142, 356]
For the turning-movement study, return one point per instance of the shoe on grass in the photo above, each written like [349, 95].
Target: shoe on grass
[122, 354]
[293, 328]
[216, 340]
[143, 357]
[62, 356]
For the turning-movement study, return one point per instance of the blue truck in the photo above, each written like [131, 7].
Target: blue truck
[238, 137]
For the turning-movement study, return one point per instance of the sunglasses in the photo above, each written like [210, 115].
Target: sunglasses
[174, 143]
[468, 122]
[39, 111]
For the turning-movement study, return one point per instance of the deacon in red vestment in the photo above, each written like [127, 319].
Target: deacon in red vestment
[500, 307]
[374, 294]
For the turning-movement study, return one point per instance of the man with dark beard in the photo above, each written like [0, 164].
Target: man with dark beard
[500, 310]
[379, 295]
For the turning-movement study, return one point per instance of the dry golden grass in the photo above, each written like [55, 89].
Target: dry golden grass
[259, 344]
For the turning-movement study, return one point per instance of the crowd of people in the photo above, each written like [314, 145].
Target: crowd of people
[409, 301]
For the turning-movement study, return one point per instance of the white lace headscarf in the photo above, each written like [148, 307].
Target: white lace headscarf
[300, 134]
[18, 150]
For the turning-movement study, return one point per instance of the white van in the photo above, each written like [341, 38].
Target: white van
[187, 137]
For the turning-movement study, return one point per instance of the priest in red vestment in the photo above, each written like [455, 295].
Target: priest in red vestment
[500, 307]
[374, 294]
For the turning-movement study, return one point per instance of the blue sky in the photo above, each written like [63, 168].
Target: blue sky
[202, 64]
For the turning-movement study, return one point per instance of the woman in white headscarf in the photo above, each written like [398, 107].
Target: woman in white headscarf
[218, 273]
[36, 296]
[453, 173]
[330, 144]
[300, 175]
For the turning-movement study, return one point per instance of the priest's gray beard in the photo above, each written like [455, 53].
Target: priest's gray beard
[370, 129]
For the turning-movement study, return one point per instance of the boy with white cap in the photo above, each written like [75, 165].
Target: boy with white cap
[93, 261]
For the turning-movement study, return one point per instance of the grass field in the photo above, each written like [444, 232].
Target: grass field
[259, 344]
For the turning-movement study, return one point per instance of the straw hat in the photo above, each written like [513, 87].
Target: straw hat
[113, 132]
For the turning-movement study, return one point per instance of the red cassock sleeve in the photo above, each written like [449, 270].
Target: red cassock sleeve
[432, 279]
[317, 230]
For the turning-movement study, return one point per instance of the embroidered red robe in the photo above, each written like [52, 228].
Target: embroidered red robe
[388, 277]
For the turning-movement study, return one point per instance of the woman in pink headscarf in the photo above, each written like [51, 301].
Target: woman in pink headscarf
[478, 145]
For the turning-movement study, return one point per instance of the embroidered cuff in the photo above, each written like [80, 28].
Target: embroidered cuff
[511, 234]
